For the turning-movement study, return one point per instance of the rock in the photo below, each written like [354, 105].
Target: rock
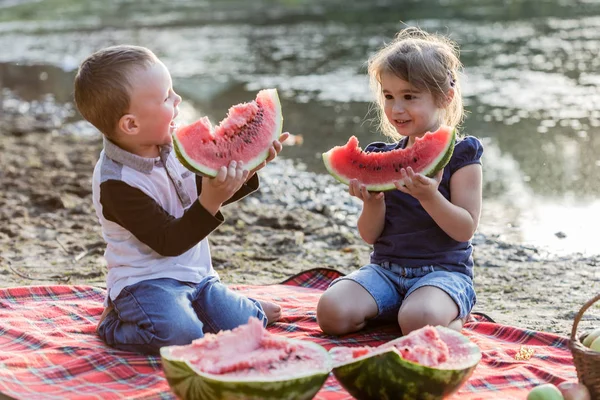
[10, 231]
[48, 202]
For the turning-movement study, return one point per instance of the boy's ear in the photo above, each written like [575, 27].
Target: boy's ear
[128, 124]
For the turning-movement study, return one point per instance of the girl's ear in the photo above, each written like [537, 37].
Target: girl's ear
[449, 97]
[128, 124]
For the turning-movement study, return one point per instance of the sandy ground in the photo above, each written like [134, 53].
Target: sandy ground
[49, 235]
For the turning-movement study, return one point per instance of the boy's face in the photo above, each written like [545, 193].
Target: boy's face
[153, 106]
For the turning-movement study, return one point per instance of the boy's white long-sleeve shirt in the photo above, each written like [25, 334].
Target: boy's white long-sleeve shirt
[152, 222]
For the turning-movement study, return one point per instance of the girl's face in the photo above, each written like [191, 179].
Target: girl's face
[412, 112]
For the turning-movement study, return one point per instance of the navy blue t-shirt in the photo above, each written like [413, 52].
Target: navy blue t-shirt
[410, 237]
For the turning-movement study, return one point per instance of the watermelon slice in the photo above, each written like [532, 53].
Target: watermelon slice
[378, 171]
[247, 362]
[429, 363]
[246, 135]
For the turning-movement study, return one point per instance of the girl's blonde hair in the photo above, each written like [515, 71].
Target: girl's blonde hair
[428, 62]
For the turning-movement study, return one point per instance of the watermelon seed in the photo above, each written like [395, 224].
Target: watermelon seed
[415, 159]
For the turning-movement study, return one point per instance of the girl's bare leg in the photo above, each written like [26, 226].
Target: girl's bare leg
[428, 305]
[344, 308]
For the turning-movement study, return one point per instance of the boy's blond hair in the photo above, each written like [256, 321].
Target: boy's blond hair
[103, 87]
[428, 62]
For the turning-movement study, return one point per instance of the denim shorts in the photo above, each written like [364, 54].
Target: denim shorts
[163, 312]
[390, 284]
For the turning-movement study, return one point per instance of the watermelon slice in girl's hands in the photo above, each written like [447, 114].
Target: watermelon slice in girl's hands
[246, 134]
[378, 171]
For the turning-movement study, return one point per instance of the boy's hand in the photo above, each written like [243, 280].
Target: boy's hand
[360, 191]
[273, 152]
[417, 185]
[215, 191]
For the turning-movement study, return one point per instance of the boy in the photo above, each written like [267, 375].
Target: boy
[155, 214]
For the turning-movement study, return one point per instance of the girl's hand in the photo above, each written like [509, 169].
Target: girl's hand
[215, 191]
[417, 185]
[360, 191]
[273, 152]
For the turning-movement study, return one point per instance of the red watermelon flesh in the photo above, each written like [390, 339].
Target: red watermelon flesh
[425, 346]
[246, 135]
[378, 171]
[249, 350]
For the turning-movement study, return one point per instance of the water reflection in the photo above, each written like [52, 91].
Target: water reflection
[31, 82]
[531, 79]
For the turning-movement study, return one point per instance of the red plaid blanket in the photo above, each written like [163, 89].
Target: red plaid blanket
[49, 349]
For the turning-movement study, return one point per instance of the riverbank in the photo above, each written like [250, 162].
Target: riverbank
[298, 220]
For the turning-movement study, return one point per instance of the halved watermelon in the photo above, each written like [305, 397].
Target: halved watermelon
[430, 363]
[378, 171]
[246, 135]
[246, 363]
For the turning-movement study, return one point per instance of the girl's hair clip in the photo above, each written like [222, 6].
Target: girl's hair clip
[452, 80]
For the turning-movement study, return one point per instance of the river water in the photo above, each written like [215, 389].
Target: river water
[531, 81]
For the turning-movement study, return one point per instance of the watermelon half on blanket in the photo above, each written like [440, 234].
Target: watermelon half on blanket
[378, 171]
[246, 135]
[429, 363]
[246, 363]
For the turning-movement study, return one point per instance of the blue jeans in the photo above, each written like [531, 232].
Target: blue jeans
[163, 312]
[390, 284]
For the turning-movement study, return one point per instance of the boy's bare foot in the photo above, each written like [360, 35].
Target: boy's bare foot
[105, 313]
[272, 311]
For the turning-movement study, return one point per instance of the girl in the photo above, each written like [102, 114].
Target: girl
[421, 266]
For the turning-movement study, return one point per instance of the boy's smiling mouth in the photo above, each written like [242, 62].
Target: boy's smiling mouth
[173, 124]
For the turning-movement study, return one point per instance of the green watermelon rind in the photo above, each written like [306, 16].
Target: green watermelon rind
[190, 384]
[203, 170]
[182, 159]
[430, 172]
[386, 375]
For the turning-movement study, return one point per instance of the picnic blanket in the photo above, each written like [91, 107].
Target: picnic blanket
[49, 349]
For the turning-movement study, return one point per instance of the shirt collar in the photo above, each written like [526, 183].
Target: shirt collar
[141, 164]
